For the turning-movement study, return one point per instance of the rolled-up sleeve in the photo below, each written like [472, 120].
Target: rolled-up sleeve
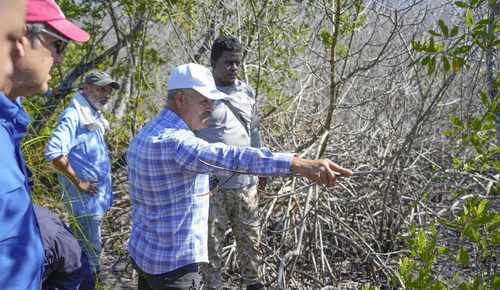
[63, 137]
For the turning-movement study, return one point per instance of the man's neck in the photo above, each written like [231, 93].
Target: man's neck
[12, 94]
[224, 84]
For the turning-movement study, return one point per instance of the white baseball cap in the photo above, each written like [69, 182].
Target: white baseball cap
[196, 77]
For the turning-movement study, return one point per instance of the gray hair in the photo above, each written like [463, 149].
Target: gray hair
[171, 94]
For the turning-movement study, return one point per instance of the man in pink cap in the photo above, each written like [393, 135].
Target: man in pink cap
[47, 34]
[43, 43]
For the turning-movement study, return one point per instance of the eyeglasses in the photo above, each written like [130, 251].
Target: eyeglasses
[59, 44]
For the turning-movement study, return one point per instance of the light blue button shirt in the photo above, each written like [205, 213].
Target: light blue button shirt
[88, 155]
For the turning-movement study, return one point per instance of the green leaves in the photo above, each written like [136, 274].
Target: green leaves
[463, 257]
[447, 50]
[446, 63]
[326, 37]
[443, 27]
[460, 4]
[495, 282]
[455, 120]
[469, 18]
[457, 64]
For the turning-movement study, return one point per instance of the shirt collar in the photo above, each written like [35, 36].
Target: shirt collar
[174, 121]
[236, 84]
[84, 97]
[13, 112]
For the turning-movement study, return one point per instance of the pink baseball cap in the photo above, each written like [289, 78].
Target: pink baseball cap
[47, 11]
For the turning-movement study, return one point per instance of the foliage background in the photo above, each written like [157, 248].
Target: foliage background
[364, 83]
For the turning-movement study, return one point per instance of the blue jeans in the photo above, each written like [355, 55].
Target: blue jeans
[88, 234]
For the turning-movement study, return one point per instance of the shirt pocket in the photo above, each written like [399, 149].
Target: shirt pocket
[87, 145]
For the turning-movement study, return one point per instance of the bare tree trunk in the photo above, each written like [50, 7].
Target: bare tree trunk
[334, 85]
[491, 55]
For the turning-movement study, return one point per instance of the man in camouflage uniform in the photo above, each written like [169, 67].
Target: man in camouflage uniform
[233, 122]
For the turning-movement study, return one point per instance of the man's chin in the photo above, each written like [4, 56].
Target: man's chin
[41, 88]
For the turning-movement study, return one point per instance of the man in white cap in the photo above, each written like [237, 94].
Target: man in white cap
[78, 150]
[168, 169]
[42, 45]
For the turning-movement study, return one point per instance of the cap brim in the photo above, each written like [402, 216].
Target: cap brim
[211, 93]
[114, 85]
[69, 30]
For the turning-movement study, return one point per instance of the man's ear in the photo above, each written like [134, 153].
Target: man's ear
[180, 99]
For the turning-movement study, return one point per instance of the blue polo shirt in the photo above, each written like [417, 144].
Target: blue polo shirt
[21, 250]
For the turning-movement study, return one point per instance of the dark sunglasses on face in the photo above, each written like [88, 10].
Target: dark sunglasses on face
[60, 46]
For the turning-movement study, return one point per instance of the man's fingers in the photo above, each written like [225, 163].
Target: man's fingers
[339, 169]
[328, 176]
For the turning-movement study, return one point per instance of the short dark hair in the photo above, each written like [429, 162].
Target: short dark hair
[221, 44]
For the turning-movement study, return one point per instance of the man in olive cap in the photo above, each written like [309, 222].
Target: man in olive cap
[78, 151]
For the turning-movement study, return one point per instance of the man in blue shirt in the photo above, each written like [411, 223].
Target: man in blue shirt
[168, 181]
[21, 251]
[79, 152]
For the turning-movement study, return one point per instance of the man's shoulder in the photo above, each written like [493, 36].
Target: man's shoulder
[69, 112]
[158, 131]
[246, 88]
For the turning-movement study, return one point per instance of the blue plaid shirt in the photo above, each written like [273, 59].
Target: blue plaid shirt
[168, 184]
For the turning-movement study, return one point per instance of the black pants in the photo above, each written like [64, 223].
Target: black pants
[183, 278]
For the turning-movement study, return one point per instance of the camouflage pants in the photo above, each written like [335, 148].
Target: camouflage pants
[240, 208]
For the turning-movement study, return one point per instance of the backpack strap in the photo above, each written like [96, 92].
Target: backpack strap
[237, 115]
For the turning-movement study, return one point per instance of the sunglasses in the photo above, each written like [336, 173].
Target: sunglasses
[60, 43]
[60, 46]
